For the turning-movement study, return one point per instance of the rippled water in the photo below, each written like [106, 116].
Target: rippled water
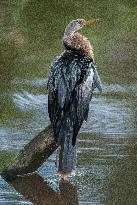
[107, 143]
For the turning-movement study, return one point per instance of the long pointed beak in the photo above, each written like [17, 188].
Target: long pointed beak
[91, 21]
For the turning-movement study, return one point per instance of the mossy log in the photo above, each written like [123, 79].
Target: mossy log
[37, 151]
[32, 156]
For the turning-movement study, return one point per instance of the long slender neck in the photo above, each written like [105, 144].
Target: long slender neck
[76, 41]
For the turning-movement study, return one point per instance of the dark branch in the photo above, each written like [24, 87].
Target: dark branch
[32, 156]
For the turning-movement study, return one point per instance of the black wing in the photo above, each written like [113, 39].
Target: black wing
[72, 80]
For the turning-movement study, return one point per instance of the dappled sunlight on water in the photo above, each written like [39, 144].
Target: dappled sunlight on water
[108, 116]
[103, 144]
[106, 164]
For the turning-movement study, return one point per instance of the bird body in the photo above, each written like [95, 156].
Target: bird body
[72, 80]
[71, 84]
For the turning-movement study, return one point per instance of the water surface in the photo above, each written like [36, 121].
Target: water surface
[31, 33]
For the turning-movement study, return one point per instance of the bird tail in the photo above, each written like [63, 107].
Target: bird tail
[67, 154]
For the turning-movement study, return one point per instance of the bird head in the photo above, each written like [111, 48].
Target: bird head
[77, 24]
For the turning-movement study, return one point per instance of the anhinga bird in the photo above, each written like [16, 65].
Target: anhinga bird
[72, 80]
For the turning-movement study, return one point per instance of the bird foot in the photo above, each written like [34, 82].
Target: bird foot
[65, 175]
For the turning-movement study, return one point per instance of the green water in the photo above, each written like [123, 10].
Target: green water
[30, 37]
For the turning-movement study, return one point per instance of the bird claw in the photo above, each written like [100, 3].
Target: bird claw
[64, 175]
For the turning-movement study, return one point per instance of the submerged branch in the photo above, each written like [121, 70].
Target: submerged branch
[33, 155]
[38, 150]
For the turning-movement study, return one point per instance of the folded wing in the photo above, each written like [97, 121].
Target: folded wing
[71, 83]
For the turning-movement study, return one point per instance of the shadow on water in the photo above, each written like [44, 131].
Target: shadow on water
[39, 192]
[105, 179]
[30, 37]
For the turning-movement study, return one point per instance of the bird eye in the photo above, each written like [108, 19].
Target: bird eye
[80, 23]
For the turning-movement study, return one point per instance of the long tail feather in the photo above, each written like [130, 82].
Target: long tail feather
[67, 156]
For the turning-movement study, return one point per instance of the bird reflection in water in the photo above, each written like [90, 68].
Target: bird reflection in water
[39, 192]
